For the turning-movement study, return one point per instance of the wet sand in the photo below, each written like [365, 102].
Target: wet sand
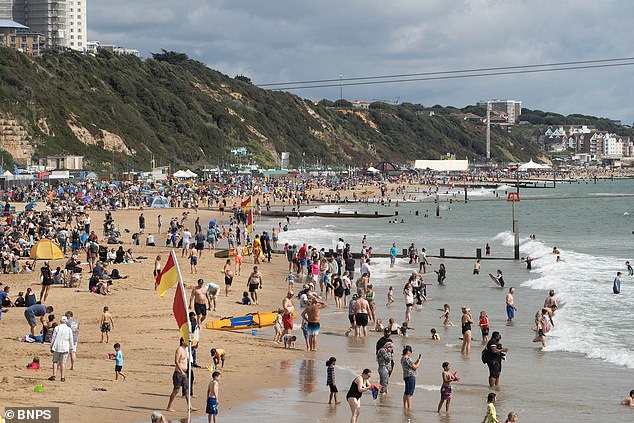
[539, 386]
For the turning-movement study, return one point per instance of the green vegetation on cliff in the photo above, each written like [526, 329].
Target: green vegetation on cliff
[180, 111]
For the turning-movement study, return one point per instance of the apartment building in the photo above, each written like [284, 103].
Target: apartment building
[62, 22]
[77, 28]
[512, 109]
[18, 36]
[6, 9]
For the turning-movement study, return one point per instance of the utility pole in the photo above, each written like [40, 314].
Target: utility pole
[488, 130]
[341, 86]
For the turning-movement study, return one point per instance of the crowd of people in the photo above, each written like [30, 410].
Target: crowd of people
[340, 279]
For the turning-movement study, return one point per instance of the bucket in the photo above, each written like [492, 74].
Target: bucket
[254, 332]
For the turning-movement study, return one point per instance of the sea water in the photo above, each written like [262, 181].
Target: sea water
[593, 234]
[582, 373]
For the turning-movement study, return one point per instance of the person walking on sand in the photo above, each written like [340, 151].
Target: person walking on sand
[228, 271]
[118, 362]
[254, 282]
[73, 324]
[359, 385]
[179, 377]
[106, 324]
[312, 316]
[510, 306]
[198, 301]
[193, 261]
[61, 344]
[445, 389]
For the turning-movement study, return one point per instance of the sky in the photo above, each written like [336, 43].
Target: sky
[297, 40]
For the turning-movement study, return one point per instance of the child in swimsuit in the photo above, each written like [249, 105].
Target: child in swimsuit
[390, 296]
[484, 326]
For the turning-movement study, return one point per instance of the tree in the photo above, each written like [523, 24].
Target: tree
[170, 57]
[342, 103]
[243, 79]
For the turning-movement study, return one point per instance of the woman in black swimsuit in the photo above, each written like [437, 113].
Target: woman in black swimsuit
[467, 321]
[359, 385]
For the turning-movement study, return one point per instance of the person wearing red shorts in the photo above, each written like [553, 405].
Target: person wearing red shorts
[289, 309]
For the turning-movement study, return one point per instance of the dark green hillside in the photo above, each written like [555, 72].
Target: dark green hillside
[182, 112]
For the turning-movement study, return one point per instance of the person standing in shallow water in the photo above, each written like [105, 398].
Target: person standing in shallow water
[616, 285]
[359, 385]
[409, 375]
[510, 305]
[466, 322]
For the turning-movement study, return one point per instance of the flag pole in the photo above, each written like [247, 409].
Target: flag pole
[189, 338]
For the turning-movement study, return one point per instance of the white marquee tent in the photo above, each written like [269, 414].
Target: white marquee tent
[531, 165]
[185, 174]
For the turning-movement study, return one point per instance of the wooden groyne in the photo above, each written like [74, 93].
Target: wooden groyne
[295, 213]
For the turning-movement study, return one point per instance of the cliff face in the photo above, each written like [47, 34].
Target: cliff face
[182, 112]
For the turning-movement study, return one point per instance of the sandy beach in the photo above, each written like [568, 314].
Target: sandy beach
[147, 332]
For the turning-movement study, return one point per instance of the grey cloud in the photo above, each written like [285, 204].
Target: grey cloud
[274, 41]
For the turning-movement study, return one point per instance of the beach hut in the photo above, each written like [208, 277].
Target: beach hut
[159, 202]
[46, 250]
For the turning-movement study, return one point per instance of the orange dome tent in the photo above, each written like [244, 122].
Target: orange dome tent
[46, 250]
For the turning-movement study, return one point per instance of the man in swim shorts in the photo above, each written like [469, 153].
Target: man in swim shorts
[312, 316]
[361, 312]
[198, 301]
[289, 309]
[510, 306]
[228, 271]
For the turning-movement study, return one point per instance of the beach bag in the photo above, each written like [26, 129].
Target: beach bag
[485, 356]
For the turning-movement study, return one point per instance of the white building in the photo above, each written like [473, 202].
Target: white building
[76, 25]
[62, 22]
[612, 146]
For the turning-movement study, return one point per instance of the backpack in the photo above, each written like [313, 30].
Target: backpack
[485, 356]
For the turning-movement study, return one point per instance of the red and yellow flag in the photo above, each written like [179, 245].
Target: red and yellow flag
[180, 312]
[247, 207]
[168, 276]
